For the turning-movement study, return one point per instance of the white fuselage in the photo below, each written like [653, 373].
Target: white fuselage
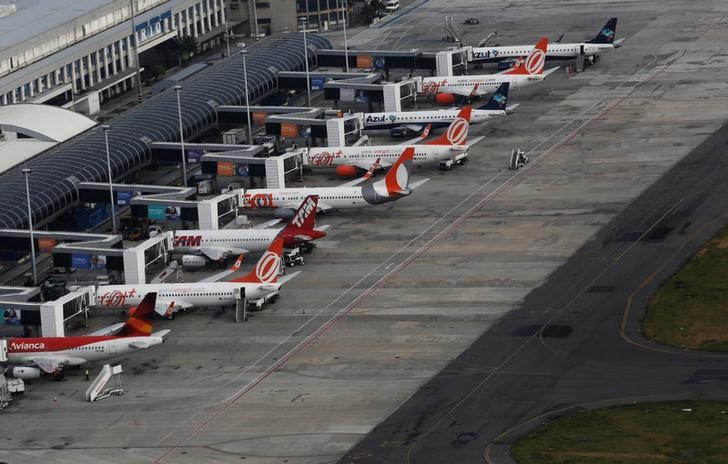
[366, 156]
[437, 118]
[206, 294]
[97, 351]
[554, 51]
[232, 241]
[486, 83]
[334, 197]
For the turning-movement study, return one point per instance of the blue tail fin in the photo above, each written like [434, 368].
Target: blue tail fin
[499, 99]
[606, 35]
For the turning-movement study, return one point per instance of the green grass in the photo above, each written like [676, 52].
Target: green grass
[691, 309]
[647, 433]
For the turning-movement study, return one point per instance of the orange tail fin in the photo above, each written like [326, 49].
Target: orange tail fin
[534, 62]
[268, 266]
[457, 131]
[140, 318]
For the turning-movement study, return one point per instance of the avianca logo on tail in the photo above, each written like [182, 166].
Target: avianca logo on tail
[304, 211]
[458, 131]
[268, 266]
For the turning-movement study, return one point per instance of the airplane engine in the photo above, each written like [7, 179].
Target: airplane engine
[347, 171]
[193, 261]
[26, 373]
[445, 98]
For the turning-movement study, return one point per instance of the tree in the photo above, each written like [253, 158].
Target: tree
[187, 47]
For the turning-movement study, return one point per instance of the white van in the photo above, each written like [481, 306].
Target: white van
[391, 6]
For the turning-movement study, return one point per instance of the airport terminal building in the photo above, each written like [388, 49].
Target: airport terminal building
[78, 53]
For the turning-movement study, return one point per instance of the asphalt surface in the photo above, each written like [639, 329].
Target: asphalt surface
[576, 340]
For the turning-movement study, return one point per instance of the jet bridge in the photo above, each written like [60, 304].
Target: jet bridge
[388, 94]
[51, 316]
[274, 168]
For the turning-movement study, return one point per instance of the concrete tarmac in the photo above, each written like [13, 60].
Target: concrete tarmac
[396, 292]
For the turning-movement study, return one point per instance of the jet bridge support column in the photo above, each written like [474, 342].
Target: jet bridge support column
[443, 63]
[392, 98]
[241, 305]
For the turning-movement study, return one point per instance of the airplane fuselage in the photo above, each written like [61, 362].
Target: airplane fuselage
[486, 83]
[233, 240]
[440, 118]
[75, 351]
[206, 294]
[555, 51]
[366, 156]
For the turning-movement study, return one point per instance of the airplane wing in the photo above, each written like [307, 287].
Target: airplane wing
[50, 364]
[221, 275]
[167, 307]
[285, 278]
[139, 344]
[324, 206]
[110, 330]
[267, 224]
[511, 108]
[419, 138]
[549, 71]
[618, 42]
[414, 185]
[217, 253]
[474, 141]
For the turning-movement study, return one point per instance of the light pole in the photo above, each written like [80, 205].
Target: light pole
[26, 173]
[305, 58]
[244, 53]
[106, 128]
[178, 89]
[346, 42]
[255, 19]
[227, 38]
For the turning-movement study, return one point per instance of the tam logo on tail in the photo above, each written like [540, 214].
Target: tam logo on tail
[304, 212]
[535, 61]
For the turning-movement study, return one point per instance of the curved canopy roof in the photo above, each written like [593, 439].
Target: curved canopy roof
[43, 122]
[56, 172]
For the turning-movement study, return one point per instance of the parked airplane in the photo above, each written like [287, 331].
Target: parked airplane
[395, 185]
[526, 72]
[450, 145]
[50, 355]
[261, 283]
[416, 121]
[602, 43]
[199, 247]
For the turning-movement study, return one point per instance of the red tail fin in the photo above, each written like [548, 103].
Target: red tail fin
[268, 266]
[457, 132]
[397, 178]
[140, 318]
[304, 218]
[535, 60]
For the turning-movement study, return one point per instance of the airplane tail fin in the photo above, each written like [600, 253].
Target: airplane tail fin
[140, 318]
[457, 132]
[499, 99]
[304, 219]
[268, 266]
[397, 179]
[606, 35]
[534, 62]
[302, 226]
